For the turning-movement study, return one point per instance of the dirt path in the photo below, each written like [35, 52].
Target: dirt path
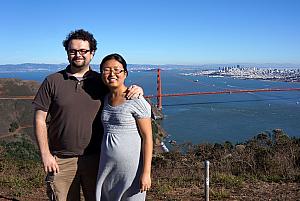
[16, 132]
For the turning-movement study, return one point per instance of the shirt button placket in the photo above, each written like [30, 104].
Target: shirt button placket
[78, 86]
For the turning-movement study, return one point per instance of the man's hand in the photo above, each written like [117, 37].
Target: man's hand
[50, 164]
[134, 91]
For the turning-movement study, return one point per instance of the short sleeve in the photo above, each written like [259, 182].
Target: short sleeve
[141, 108]
[43, 98]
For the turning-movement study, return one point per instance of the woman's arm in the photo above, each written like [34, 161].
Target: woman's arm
[145, 128]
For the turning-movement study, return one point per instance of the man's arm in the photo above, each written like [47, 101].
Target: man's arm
[40, 130]
[134, 91]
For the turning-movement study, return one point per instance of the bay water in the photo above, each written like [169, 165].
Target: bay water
[213, 118]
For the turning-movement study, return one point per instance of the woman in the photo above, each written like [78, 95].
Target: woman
[126, 150]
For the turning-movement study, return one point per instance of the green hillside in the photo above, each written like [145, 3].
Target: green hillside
[15, 113]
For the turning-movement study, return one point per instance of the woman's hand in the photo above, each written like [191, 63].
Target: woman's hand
[145, 182]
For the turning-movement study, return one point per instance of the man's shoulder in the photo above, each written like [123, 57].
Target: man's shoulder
[139, 102]
[93, 74]
[57, 75]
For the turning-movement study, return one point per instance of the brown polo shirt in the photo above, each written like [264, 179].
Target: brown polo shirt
[74, 107]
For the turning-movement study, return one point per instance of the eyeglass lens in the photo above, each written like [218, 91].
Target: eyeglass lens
[81, 51]
[114, 70]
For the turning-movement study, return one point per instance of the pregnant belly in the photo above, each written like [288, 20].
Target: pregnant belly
[121, 147]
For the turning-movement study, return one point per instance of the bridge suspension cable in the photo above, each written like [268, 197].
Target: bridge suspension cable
[225, 92]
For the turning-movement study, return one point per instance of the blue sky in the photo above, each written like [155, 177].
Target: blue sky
[154, 31]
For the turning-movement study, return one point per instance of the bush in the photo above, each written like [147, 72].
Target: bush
[20, 169]
[270, 157]
[13, 126]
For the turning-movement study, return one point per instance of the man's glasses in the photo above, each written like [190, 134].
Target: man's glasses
[81, 51]
[116, 71]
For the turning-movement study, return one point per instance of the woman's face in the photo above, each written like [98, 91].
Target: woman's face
[113, 74]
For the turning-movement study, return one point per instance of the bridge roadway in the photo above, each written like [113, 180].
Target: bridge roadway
[183, 94]
[225, 92]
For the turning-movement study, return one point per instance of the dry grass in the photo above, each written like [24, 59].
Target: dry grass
[268, 163]
[249, 171]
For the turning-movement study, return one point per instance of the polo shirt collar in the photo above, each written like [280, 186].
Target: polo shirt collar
[68, 75]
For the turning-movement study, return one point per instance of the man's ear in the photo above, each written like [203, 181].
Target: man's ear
[92, 53]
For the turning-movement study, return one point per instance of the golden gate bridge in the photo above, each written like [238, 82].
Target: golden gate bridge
[159, 94]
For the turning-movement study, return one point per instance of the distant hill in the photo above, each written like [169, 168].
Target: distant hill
[30, 67]
[34, 67]
[17, 87]
[16, 111]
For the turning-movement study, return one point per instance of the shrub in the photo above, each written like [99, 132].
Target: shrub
[13, 126]
[20, 169]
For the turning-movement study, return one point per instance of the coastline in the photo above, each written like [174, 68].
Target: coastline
[272, 74]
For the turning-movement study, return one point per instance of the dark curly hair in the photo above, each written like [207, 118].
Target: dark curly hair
[81, 34]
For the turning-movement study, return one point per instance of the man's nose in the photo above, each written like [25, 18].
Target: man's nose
[77, 53]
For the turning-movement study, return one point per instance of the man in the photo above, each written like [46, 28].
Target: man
[70, 145]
